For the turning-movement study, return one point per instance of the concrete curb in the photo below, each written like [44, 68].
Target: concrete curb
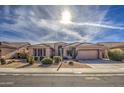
[61, 73]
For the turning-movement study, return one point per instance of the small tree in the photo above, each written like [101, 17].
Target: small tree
[57, 59]
[2, 61]
[116, 54]
[30, 59]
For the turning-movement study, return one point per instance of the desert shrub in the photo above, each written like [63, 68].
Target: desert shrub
[30, 59]
[71, 63]
[46, 61]
[57, 59]
[116, 54]
[2, 61]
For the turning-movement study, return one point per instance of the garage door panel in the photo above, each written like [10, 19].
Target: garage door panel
[87, 54]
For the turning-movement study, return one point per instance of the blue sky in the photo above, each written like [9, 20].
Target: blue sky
[36, 24]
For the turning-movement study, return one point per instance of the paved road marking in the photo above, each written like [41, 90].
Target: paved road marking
[7, 83]
[92, 78]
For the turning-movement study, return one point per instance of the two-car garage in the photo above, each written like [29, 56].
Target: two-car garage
[88, 54]
[86, 51]
[89, 51]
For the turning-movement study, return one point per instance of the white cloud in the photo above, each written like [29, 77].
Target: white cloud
[99, 25]
[40, 23]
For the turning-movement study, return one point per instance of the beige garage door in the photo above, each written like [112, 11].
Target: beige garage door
[87, 54]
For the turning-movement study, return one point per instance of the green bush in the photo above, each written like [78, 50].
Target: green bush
[27, 58]
[116, 54]
[57, 59]
[30, 59]
[46, 61]
[71, 63]
[2, 61]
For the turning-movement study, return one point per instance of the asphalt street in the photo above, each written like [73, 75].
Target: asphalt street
[61, 80]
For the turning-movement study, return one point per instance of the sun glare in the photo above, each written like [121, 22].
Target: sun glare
[66, 17]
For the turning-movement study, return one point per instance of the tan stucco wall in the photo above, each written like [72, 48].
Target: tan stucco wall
[5, 51]
[23, 50]
[100, 54]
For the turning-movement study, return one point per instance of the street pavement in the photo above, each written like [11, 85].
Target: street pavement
[62, 80]
[99, 75]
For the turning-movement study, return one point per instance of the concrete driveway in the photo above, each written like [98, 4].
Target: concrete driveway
[98, 61]
[104, 64]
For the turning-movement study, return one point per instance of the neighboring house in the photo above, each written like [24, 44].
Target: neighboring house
[112, 45]
[10, 49]
[79, 50]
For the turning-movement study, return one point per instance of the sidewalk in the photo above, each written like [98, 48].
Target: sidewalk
[61, 71]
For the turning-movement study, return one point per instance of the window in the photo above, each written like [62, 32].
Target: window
[39, 52]
[68, 53]
[44, 52]
[35, 52]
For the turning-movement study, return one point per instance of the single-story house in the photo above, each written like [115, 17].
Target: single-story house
[10, 49]
[82, 50]
[112, 45]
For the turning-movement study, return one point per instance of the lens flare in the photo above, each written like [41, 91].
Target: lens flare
[66, 17]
